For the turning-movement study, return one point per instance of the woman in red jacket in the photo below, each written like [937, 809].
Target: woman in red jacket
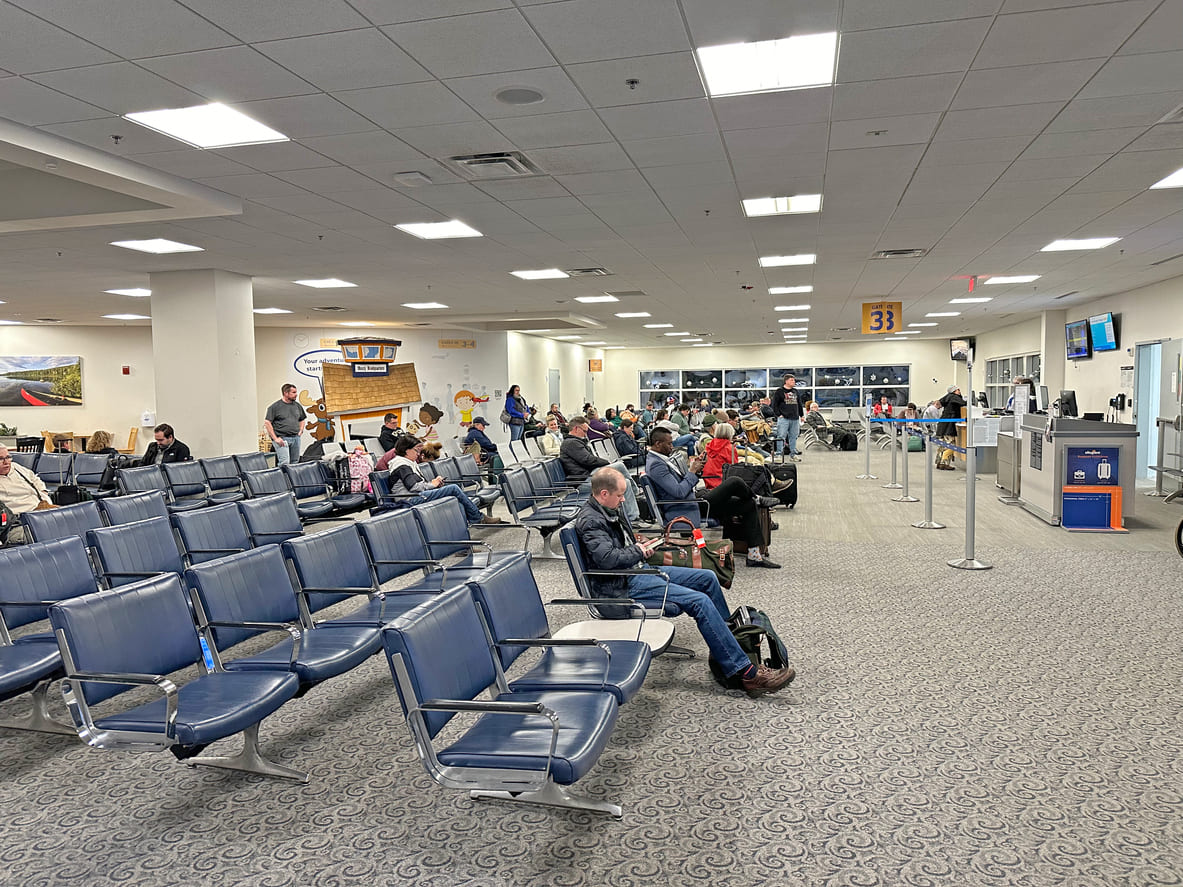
[720, 451]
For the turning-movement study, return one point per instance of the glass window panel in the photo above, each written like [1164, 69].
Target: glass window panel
[804, 376]
[886, 375]
[702, 380]
[896, 396]
[661, 380]
[746, 379]
[837, 397]
[842, 376]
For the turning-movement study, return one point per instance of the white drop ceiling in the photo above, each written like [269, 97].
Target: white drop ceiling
[979, 130]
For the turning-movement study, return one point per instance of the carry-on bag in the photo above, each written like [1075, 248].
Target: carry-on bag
[716, 556]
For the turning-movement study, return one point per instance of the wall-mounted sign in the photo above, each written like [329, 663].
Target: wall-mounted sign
[308, 363]
[457, 343]
[370, 369]
[1092, 466]
[595, 365]
[882, 317]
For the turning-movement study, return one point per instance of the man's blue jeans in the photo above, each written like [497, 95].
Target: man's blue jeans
[789, 428]
[289, 451]
[687, 441]
[698, 594]
[471, 512]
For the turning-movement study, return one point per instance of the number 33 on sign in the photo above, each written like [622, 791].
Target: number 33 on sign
[882, 317]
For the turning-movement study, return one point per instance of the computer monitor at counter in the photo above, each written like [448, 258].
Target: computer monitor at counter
[1068, 403]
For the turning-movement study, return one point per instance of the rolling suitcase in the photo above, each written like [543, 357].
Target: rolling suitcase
[733, 530]
[784, 482]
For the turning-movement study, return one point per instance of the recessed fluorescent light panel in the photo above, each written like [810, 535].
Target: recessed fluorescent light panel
[795, 329]
[1017, 278]
[208, 126]
[782, 206]
[158, 245]
[634, 314]
[683, 333]
[568, 337]
[613, 347]
[541, 274]
[788, 291]
[424, 306]
[971, 300]
[793, 320]
[780, 261]
[355, 323]
[691, 340]
[439, 230]
[134, 292]
[704, 345]
[598, 342]
[908, 333]
[11, 323]
[603, 298]
[659, 326]
[127, 317]
[1087, 243]
[1174, 180]
[792, 307]
[768, 65]
[272, 311]
[943, 314]
[924, 324]
[325, 283]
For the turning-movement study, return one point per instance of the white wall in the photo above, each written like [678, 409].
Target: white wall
[110, 400]
[929, 359]
[531, 356]
[1008, 341]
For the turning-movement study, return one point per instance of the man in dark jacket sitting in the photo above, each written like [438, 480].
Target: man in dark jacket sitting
[608, 544]
[579, 462]
[165, 448]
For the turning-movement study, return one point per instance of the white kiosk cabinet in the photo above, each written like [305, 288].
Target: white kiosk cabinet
[1043, 457]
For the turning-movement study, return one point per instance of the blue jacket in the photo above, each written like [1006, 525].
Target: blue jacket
[516, 407]
[668, 485]
[475, 435]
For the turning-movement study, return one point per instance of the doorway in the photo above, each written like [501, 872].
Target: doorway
[552, 389]
[1147, 387]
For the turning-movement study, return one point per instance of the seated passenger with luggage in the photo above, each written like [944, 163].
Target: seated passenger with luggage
[20, 491]
[410, 487]
[731, 498]
[609, 545]
[827, 431]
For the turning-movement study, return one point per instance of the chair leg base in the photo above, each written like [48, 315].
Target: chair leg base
[251, 760]
[548, 550]
[551, 795]
[39, 719]
[673, 650]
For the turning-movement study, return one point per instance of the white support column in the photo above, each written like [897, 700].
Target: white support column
[203, 345]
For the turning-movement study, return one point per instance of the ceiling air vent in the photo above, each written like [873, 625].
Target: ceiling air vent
[899, 254]
[328, 308]
[590, 272]
[499, 165]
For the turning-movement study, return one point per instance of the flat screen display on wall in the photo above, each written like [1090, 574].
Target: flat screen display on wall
[1076, 336]
[1103, 331]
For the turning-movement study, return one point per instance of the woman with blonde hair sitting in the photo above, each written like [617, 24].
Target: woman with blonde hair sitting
[100, 442]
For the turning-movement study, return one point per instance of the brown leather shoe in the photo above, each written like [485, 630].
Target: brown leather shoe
[768, 680]
[489, 519]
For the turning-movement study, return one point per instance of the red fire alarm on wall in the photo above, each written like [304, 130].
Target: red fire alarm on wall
[126, 370]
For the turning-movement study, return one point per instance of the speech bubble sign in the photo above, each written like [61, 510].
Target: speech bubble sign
[309, 363]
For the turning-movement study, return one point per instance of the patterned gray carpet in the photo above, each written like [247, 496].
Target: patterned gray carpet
[1015, 727]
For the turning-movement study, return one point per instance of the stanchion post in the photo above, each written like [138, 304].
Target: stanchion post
[866, 475]
[905, 496]
[928, 523]
[969, 562]
[894, 446]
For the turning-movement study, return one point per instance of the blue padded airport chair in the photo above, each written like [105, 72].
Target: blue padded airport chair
[529, 510]
[128, 552]
[446, 532]
[186, 482]
[58, 523]
[273, 481]
[222, 478]
[55, 469]
[251, 462]
[396, 548]
[148, 478]
[242, 595]
[210, 533]
[310, 485]
[516, 620]
[133, 507]
[89, 469]
[25, 459]
[271, 520]
[32, 577]
[526, 746]
[137, 635]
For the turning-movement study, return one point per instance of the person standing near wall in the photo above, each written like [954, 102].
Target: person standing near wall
[786, 404]
[518, 410]
[284, 421]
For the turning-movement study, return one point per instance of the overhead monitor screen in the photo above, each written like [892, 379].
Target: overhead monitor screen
[1103, 332]
[1076, 334]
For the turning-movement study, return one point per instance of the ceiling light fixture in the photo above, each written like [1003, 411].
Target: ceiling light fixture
[943, 314]
[424, 306]
[356, 323]
[127, 317]
[704, 345]
[924, 324]
[792, 307]
[793, 320]
[11, 323]
[691, 340]
[767, 65]
[788, 291]
[795, 329]
[1174, 180]
[325, 283]
[591, 299]
[683, 333]
[134, 292]
[541, 274]
[207, 126]
[272, 311]
[1017, 278]
[439, 230]
[908, 333]
[781, 206]
[157, 245]
[1087, 243]
[568, 337]
[634, 314]
[971, 300]
[659, 326]
[781, 261]
[597, 342]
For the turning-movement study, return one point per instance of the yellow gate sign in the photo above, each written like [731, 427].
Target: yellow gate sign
[882, 317]
[595, 365]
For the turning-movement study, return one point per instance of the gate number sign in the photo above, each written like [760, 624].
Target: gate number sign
[882, 317]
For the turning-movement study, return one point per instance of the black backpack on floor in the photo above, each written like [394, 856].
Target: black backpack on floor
[754, 632]
[784, 482]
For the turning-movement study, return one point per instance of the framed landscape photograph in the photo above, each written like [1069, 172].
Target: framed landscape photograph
[40, 381]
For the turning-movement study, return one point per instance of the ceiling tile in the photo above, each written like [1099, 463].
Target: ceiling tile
[872, 133]
[327, 179]
[131, 28]
[376, 146]
[480, 92]
[251, 186]
[572, 159]
[1034, 169]
[1136, 75]
[410, 104]
[617, 182]
[1025, 84]
[275, 19]
[594, 30]
[1079, 32]
[554, 130]
[660, 119]
[478, 43]
[778, 141]
[120, 87]
[976, 151]
[29, 44]
[306, 116]
[908, 51]
[1157, 138]
[1160, 32]
[275, 157]
[895, 96]
[741, 21]
[1012, 120]
[533, 187]
[33, 104]
[862, 15]
[1085, 115]
[387, 172]
[346, 60]
[453, 139]
[660, 78]
[193, 163]
[390, 12]
[97, 133]
[234, 74]
[700, 147]
[785, 108]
